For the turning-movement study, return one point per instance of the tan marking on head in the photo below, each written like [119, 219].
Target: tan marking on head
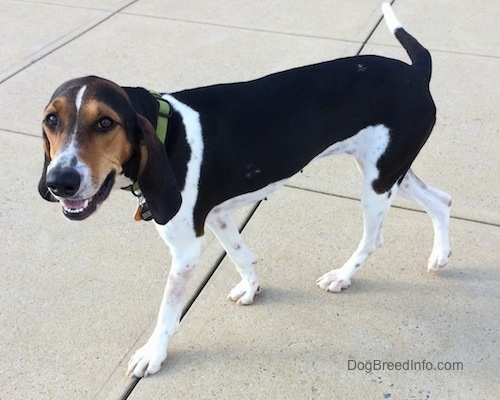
[58, 136]
[79, 105]
[102, 152]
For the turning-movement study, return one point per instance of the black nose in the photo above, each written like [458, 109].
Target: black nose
[63, 182]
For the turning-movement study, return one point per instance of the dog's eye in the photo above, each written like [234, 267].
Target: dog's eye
[51, 120]
[105, 124]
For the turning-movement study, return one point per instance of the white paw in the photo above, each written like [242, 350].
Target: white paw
[333, 282]
[438, 259]
[148, 359]
[244, 292]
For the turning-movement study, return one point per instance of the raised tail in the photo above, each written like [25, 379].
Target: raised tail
[419, 55]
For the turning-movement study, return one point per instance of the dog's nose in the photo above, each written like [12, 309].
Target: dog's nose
[63, 182]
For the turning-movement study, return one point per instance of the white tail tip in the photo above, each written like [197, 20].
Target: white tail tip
[390, 18]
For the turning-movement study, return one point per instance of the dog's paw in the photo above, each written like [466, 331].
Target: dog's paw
[333, 282]
[244, 292]
[147, 360]
[438, 259]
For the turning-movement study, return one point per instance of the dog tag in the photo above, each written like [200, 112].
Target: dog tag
[142, 213]
[145, 212]
[137, 214]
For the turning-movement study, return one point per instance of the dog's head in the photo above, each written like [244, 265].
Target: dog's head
[92, 134]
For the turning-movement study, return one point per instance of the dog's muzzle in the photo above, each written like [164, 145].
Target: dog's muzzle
[64, 184]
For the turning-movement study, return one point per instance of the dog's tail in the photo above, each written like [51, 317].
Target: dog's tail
[419, 55]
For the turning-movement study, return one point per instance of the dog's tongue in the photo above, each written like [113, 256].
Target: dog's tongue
[75, 204]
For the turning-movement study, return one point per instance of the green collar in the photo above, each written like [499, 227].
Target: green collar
[164, 113]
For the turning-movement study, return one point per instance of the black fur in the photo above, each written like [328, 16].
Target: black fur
[276, 125]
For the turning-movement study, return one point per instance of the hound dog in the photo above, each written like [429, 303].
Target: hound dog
[231, 144]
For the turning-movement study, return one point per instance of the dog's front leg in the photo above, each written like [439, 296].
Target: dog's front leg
[148, 359]
[226, 231]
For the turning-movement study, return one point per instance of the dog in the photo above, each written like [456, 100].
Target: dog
[231, 144]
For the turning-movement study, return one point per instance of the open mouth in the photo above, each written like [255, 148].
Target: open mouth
[83, 208]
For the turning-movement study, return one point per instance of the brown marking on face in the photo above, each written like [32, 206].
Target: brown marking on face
[57, 136]
[102, 151]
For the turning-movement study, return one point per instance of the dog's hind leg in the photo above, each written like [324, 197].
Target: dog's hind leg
[437, 204]
[367, 147]
[228, 235]
[375, 209]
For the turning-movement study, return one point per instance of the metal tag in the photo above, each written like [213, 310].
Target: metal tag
[145, 212]
[142, 213]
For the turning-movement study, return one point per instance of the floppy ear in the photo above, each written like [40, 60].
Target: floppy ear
[156, 178]
[42, 185]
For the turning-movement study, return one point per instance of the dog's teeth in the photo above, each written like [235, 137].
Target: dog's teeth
[74, 210]
[70, 206]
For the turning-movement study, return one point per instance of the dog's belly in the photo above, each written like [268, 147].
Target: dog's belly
[366, 146]
[370, 142]
[248, 198]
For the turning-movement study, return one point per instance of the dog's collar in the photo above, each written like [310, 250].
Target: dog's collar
[164, 113]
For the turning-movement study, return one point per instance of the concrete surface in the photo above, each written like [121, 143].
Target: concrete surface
[76, 299]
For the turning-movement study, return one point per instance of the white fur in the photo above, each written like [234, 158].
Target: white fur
[375, 208]
[228, 235]
[247, 198]
[191, 120]
[437, 204]
[79, 98]
[390, 18]
[223, 227]
[68, 157]
[367, 146]
[185, 249]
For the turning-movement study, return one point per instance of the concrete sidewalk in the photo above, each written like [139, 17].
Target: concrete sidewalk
[77, 299]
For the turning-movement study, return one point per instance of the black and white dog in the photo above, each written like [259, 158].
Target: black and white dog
[231, 144]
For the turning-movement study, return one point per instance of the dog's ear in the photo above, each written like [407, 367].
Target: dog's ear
[156, 178]
[42, 184]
